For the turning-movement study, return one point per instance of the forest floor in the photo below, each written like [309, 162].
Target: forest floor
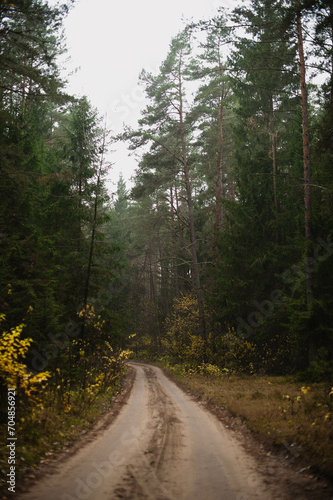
[285, 418]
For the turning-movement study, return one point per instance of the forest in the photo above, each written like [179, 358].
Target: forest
[229, 222]
[219, 257]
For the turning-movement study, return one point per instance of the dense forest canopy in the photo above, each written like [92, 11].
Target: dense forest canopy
[222, 250]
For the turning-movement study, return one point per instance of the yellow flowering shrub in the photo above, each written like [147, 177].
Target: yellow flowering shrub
[182, 339]
[13, 372]
[237, 353]
[209, 369]
[90, 318]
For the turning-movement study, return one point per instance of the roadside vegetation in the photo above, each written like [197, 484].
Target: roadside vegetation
[256, 381]
[287, 413]
[43, 432]
[56, 406]
[281, 410]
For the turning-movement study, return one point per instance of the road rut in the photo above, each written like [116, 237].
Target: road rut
[162, 446]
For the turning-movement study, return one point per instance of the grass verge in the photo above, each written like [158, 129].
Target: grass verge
[281, 410]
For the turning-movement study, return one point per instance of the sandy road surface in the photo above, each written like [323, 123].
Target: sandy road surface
[162, 446]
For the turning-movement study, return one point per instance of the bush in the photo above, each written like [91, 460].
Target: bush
[13, 372]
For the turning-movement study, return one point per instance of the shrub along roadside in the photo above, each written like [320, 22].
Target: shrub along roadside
[44, 412]
[46, 430]
[279, 409]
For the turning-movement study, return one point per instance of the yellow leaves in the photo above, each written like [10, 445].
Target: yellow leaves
[331, 393]
[209, 369]
[68, 408]
[89, 317]
[108, 346]
[99, 379]
[40, 377]
[13, 371]
[125, 354]
[196, 349]
[305, 389]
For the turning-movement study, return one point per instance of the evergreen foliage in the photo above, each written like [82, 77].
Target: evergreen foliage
[208, 257]
[263, 242]
[56, 258]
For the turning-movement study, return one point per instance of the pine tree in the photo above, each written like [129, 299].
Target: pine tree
[211, 114]
[164, 127]
[266, 107]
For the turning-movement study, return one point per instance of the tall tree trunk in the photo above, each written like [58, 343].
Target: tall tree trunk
[151, 275]
[174, 245]
[188, 187]
[24, 82]
[276, 204]
[219, 174]
[272, 137]
[182, 243]
[92, 243]
[79, 226]
[93, 231]
[306, 156]
[331, 16]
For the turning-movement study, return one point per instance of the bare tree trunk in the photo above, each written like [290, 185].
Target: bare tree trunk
[93, 232]
[151, 275]
[174, 246]
[182, 241]
[331, 16]
[195, 266]
[306, 157]
[272, 137]
[80, 193]
[219, 174]
[276, 205]
[24, 82]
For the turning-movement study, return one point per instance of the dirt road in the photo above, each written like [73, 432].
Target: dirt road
[162, 446]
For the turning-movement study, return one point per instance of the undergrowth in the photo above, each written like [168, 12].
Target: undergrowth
[46, 430]
[280, 409]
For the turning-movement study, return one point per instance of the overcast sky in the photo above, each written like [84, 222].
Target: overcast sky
[109, 42]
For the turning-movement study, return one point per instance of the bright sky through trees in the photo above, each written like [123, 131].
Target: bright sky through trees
[110, 42]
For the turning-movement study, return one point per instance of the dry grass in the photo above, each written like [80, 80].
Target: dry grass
[42, 433]
[280, 409]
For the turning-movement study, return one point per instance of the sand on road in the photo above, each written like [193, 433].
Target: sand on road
[162, 446]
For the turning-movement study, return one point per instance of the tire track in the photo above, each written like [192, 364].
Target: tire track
[161, 446]
[148, 476]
